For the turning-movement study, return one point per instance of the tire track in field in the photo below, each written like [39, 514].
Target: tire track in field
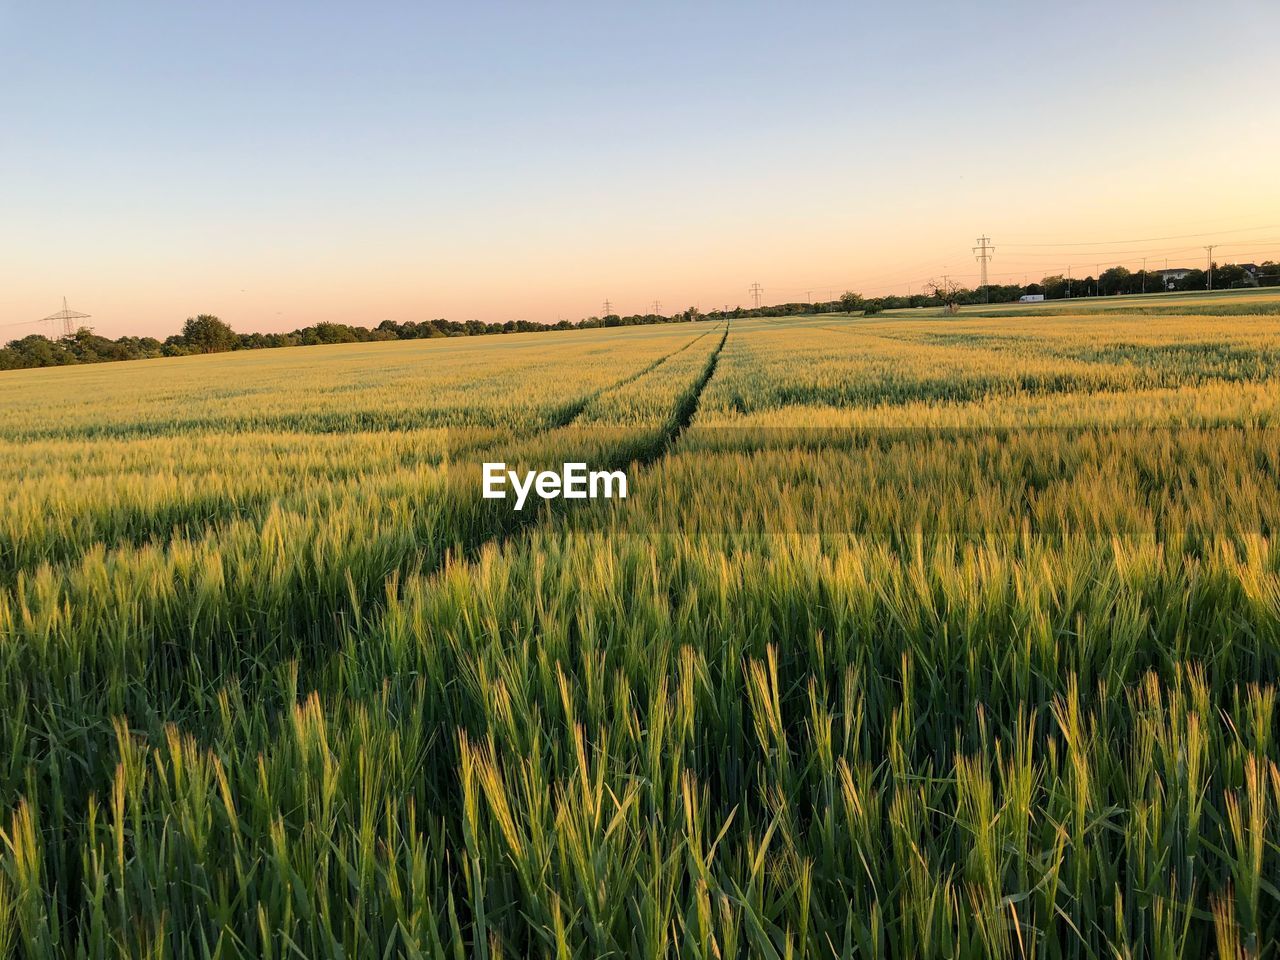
[687, 406]
[161, 529]
[314, 659]
[567, 414]
[642, 454]
[571, 411]
[310, 643]
[312, 647]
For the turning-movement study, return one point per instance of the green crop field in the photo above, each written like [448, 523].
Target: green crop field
[914, 638]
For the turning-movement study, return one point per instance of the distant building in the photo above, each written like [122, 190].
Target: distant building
[1167, 277]
[1031, 298]
[1249, 277]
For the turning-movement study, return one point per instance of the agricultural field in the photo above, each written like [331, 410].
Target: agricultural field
[915, 637]
[1238, 302]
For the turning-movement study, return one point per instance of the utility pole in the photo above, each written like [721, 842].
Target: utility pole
[1209, 250]
[657, 308]
[1068, 282]
[1144, 274]
[608, 308]
[66, 315]
[1097, 284]
[983, 252]
[756, 290]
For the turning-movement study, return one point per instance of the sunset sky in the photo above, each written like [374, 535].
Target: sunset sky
[284, 163]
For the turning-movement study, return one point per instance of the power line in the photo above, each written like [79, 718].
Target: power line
[1175, 236]
[984, 250]
[1140, 261]
[66, 315]
[1020, 255]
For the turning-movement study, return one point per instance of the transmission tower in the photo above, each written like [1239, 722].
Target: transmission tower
[657, 308]
[756, 290]
[608, 308]
[983, 252]
[66, 315]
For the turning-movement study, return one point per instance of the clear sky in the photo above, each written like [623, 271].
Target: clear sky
[281, 163]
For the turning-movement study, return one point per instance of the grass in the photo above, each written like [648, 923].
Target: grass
[910, 641]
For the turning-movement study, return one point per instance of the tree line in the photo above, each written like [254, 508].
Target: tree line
[207, 334]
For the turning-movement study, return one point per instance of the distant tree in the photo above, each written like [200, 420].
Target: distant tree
[1055, 287]
[254, 341]
[947, 292]
[851, 302]
[207, 334]
[140, 347]
[1194, 280]
[36, 350]
[328, 333]
[1230, 275]
[1114, 280]
[85, 346]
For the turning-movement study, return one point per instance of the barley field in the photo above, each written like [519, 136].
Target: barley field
[914, 638]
